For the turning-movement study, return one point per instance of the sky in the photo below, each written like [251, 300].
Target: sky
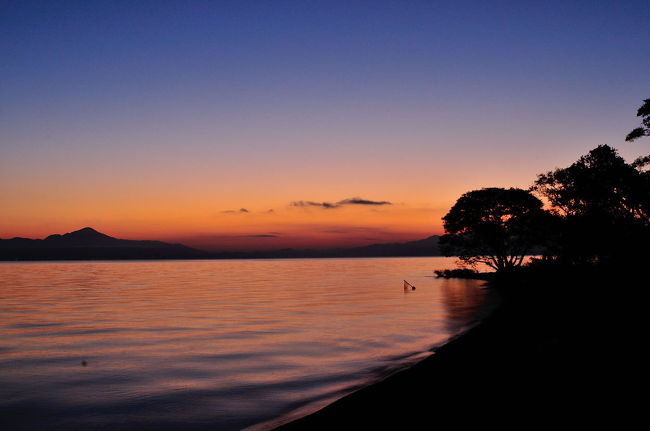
[234, 125]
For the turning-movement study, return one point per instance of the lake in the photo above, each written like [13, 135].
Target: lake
[213, 344]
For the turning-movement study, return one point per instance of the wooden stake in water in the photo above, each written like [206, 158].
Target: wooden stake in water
[408, 286]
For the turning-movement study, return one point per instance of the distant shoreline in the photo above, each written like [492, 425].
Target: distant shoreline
[153, 259]
[89, 244]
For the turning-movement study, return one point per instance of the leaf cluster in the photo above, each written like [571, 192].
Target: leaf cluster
[644, 130]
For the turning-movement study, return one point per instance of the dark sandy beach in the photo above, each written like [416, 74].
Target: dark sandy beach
[553, 357]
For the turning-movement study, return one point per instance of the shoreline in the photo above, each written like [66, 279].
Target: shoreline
[534, 360]
[308, 410]
[187, 259]
[329, 415]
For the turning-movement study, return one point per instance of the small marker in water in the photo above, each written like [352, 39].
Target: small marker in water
[84, 363]
[407, 285]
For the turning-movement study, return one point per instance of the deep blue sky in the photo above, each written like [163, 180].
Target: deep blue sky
[274, 101]
[72, 54]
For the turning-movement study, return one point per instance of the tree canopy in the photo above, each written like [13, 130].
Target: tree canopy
[600, 183]
[494, 226]
[644, 130]
[603, 206]
[598, 214]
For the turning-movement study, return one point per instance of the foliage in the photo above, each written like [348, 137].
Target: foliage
[599, 213]
[599, 184]
[603, 204]
[644, 130]
[494, 226]
[459, 273]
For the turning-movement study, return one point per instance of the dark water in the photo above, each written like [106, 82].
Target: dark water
[214, 345]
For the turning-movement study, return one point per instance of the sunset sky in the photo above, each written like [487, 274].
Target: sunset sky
[269, 124]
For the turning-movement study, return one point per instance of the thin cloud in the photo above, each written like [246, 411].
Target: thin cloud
[263, 235]
[303, 204]
[359, 230]
[359, 201]
[240, 211]
[344, 202]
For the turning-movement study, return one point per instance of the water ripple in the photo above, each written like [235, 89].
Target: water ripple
[211, 344]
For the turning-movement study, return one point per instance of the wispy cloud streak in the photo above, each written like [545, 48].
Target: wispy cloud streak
[240, 211]
[344, 202]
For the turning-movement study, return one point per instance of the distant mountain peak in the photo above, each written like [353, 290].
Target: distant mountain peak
[86, 229]
[87, 243]
[86, 233]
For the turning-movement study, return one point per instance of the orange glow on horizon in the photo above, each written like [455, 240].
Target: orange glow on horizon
[236, 227]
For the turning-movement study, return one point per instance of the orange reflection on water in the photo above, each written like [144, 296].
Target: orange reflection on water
[216, 340]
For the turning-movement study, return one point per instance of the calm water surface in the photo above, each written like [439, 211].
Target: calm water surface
[212, 344]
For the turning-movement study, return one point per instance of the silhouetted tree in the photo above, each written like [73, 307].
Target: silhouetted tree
[600, 183]
[644, 130]
[604, 203]
[494, 226]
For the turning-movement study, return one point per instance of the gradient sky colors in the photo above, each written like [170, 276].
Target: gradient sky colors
[162, 120]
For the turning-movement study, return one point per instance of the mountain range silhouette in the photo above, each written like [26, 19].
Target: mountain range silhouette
[89, 244]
